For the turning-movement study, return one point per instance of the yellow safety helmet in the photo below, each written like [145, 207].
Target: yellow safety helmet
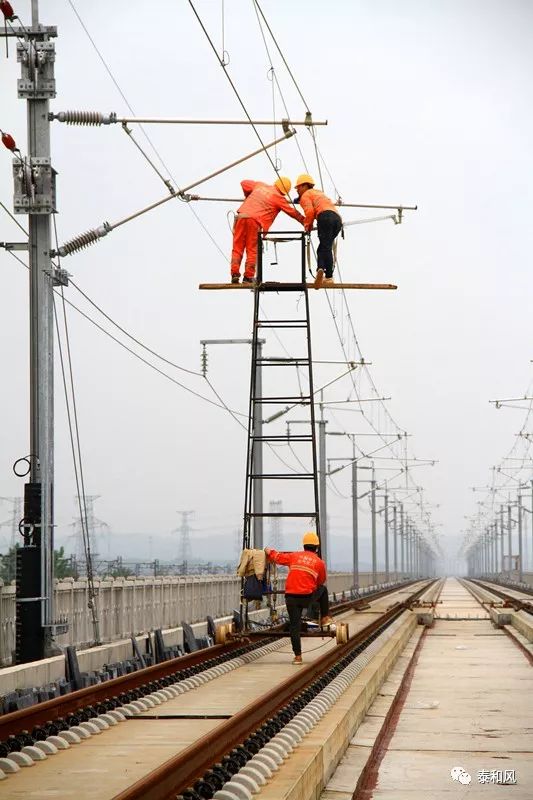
[283, 184]
[311, 538]
[304, 179]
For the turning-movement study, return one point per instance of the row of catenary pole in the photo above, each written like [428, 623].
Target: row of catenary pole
[496, 551]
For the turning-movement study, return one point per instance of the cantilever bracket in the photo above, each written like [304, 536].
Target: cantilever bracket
[14, 245]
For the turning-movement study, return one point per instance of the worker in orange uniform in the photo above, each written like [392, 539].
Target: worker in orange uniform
[306, 584]
[317, 205]
[262, 205]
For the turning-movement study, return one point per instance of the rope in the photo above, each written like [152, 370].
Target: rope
[147, 137]
[282, 56]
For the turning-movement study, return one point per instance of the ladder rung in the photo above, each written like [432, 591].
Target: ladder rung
[304, 399]
[283, 476]
[283, 362]
[284, 514]
[283, 323]
[302, 437]
[266, 322]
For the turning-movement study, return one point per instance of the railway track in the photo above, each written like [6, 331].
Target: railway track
[209, 721]
[518, 599]
[52, 716]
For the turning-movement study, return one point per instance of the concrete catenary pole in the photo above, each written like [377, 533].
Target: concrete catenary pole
[395, 539]
[402, 540]
[510, 537]
[374, 535]
[502, 536]
[386, 521]
[520, 553]
[355, 527]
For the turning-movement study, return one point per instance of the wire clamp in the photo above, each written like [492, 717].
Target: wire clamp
[59, 276]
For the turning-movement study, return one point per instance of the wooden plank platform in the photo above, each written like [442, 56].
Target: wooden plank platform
[273, 285]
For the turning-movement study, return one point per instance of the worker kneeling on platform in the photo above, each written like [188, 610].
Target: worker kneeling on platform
[261, 207]
[317, 205]
[306, 584]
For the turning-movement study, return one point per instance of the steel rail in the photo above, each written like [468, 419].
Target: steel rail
[523, 589]
[26, 719]
[59, 707]
[181, 771]
[515, 602]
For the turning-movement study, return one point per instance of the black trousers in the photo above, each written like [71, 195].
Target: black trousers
[329, 226]
[296, 604]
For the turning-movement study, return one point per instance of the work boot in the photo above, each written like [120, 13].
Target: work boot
[235, 278]
[327, 621]
[248, 280]
[328, 282]
[319, 277]
[297, 660]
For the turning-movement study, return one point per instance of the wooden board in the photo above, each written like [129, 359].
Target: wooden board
[250, 286]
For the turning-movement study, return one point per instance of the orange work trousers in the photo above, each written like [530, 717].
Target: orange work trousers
[245, 233]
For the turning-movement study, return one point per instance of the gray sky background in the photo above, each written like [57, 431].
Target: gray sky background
[428, 104]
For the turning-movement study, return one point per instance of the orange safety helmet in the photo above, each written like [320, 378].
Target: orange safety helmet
[283, 184]
[311, 538]
[305, 178]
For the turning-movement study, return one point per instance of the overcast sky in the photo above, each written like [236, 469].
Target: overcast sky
[428, 104]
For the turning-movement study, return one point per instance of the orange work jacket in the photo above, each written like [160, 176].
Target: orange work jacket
[307, 571]
[313, 202]
[264, 202]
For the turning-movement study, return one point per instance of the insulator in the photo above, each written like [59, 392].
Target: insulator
[83, 240]
[9, 142]
[7, 10]
[85, 117]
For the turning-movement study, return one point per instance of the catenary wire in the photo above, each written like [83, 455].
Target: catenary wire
[130, 336]
[136, 355]
[149, 140]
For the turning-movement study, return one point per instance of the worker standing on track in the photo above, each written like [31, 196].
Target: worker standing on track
[317, 205]
[306, 584]
[262, 205]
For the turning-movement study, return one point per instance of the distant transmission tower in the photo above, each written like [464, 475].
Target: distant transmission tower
[184, 545]
[94, 526]
[13, 521]
[276, 533]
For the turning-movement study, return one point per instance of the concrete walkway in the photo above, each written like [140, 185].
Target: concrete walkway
[467, 708]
